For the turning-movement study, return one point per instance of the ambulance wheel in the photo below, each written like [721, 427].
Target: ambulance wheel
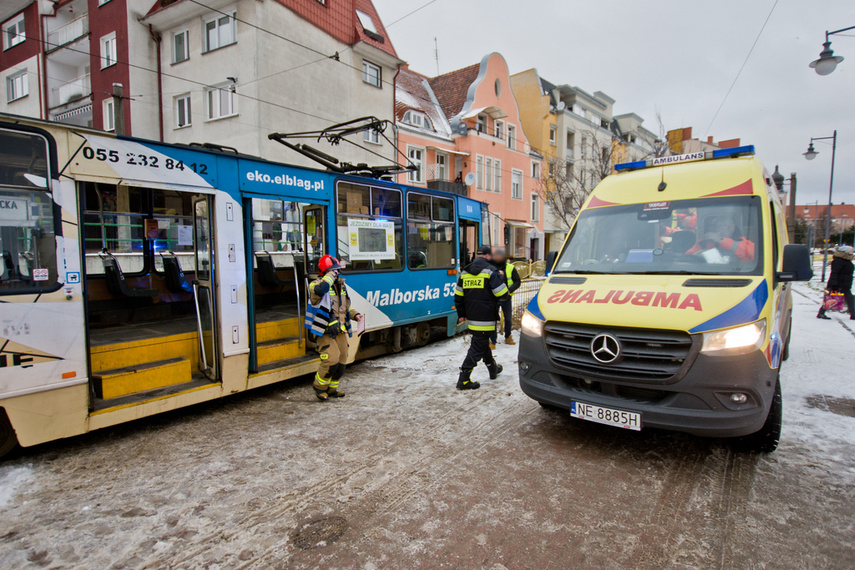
[766, 440]
[8, 439]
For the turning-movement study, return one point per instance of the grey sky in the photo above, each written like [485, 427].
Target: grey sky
[679, 57]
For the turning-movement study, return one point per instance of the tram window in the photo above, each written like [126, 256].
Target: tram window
[173, 212]
[277, 227]
[113, 219]
[23, 160]
[370, 227]
[430, 232]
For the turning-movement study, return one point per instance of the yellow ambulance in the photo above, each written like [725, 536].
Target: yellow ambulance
[669, 304]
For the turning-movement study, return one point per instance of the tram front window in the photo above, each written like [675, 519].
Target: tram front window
[27, 234]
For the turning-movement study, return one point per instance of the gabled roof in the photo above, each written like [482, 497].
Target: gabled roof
[337, 18]
[814, 212]
[413, 92]
[452, 88]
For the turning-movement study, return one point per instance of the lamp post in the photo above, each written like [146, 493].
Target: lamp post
[810, 155]
[779, 181]
[827, 61]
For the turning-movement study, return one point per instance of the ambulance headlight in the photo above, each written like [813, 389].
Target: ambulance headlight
[531, 325]
[738, 340]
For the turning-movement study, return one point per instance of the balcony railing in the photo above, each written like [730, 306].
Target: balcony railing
[70, 91]
[68, 33]
[438, 172]
[569, 153]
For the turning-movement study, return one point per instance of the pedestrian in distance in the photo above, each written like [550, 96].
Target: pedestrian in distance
[479, 288]
[328, 318]
[512, 279]
[840, 279]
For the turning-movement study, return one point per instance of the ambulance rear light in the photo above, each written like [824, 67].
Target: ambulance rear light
[747, 150]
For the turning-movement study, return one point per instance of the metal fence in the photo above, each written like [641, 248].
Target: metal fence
[528, 289]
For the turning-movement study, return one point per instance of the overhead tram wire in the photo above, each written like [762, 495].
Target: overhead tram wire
[738, 73]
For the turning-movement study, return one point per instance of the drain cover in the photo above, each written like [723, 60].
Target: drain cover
[318, 533]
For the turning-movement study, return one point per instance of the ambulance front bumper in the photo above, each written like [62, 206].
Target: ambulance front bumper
[698, 402]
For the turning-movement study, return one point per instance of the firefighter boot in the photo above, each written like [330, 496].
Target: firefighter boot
[464, 382]
[495, 369]
[321, 386]
[335, 391]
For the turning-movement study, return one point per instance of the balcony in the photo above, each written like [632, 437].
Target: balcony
[569, 153]
[66, 34]
[437, 179]
[70, 91]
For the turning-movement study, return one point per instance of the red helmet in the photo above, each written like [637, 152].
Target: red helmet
[327, 263]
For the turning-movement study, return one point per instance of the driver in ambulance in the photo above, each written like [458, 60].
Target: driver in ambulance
[724, 236]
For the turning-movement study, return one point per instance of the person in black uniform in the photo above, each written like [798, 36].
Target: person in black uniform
[840, 279]
[478, 290]
[511, 276]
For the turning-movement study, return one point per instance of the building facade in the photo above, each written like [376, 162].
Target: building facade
[223, 72]
[680, 141]
[473, 143]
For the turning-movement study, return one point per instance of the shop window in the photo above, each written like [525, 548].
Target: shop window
[430, 232]
[370, 227]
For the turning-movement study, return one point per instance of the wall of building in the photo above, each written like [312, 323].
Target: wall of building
[23, 57]
[104, 20]
[142, 83]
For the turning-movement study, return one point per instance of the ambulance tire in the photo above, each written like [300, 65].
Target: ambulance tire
[8, 439]
[766, 440]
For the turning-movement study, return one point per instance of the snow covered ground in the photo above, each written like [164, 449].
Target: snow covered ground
[407, 472]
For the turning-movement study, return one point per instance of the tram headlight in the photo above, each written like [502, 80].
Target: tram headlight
[531, 325]
[737, 340]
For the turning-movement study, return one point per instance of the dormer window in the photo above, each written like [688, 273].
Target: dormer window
[417, 119]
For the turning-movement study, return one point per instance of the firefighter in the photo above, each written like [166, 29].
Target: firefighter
[512, 278]
[478, 290]
[328, 317]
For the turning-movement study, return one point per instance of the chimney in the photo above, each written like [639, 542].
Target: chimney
[709, 140]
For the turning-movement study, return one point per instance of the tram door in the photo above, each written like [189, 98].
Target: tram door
[203, 286]
[469, 242]
[314, 238]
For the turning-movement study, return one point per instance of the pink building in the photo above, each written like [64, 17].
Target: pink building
[464, 132]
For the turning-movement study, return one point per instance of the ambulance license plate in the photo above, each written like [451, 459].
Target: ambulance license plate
[608, 416]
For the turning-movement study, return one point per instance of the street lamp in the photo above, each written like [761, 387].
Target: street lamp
[810, 155]
[827, 61]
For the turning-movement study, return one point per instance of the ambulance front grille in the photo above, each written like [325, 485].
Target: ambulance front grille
[646, 354]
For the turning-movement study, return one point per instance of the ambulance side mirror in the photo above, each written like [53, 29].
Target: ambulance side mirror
[550, 262]
[796, 265]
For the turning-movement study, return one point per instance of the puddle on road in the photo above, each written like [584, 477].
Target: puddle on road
[319, 532]
[839, 406]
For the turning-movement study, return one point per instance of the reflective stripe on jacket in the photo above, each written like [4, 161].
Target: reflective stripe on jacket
[327, 303]
[478, 289]
[513, 277]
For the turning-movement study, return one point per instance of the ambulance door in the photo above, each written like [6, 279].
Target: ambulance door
[204, 285]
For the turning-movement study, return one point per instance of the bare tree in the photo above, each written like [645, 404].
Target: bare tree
[566, 184]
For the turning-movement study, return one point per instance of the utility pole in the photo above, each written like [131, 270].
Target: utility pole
[792, 216]
[436, 53]
[118, 109]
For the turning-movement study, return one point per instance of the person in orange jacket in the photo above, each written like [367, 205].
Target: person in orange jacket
[725, 238]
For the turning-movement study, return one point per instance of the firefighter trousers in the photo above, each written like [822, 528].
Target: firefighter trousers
[479, 349]
[333, 353]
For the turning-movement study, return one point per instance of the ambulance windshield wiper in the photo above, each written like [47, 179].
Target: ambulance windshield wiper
[673, 272]
[583, 272]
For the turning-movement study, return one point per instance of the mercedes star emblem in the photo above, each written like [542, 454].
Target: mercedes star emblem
[605, 348]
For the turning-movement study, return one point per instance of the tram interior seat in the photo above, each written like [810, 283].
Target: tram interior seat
[116, 280]
[175, 280]
[267, 275]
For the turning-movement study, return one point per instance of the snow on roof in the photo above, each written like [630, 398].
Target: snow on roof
[413, 92]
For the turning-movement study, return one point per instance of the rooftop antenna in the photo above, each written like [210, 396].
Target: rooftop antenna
[436, 54]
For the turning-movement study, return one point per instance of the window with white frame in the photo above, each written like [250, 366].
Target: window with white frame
[108, 117]
[220, 31]
[182, 111]
[371, 73]
[14, 31]
[497, 186]
[371, 136]
[366, 21]
[535, 170]
[516, 184]
[551, 169]
[553, 133]
[584, 148]
[441, 166]
[535, 207]
[479, 172]
[417, 119]
[416, 156]
[108, 50]
[512, 137]
[17, 86]
[220, 100]
[481, 124]
[180, 46]
[489, 181]
[499, 129]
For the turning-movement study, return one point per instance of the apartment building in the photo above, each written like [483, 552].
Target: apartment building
[462, 129]
[680, 141]
[221, 71]
[580, 140]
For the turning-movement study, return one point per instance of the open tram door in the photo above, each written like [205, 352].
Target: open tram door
[203, 286]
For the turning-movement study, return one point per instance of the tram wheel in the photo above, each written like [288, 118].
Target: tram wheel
[423, 333]
[8, 439]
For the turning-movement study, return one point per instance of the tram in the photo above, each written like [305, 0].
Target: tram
[139, 277]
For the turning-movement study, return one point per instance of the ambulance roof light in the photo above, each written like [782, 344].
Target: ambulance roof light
[746, 150]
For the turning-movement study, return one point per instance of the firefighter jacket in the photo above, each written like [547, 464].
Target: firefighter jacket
[512, 277]
[328, 303]
[478, 289]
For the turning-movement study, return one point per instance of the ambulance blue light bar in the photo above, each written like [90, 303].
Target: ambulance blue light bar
[746, 150]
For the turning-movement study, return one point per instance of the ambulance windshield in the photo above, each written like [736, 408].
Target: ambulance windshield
[707, 236]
